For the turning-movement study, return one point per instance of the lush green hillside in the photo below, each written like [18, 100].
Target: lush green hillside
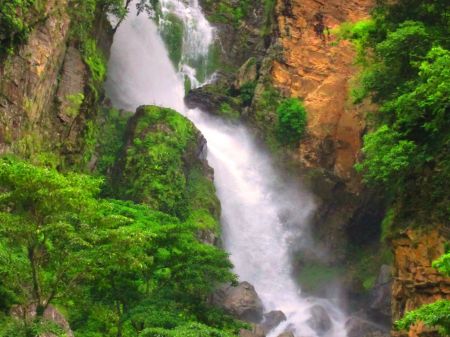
[116, 268]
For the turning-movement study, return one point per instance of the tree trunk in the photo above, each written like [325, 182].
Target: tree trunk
[40, 308]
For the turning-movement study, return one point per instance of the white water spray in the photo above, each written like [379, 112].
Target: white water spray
[262, 215]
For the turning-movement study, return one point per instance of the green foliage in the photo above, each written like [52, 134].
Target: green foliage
[188, 330]
[96, 63]
[13, 327]
[443, 264]
[291, 121]
[387, 157]
[204, 206]
[246, 93]
[229, 12]
[153, 171]
[405, 56]
[44, 221]
[113, 125]
[228, 112]
[436, 314]
[75, 102]
[109, 262]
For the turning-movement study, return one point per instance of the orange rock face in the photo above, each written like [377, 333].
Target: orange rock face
[318, 69]
[416, 282]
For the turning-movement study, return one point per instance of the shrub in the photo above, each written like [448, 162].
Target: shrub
[291, 121]
[387, 156]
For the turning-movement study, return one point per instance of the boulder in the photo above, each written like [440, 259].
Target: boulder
[242, 302]
[320, 321]
[272, 319]
[257, 331]
[359, 327]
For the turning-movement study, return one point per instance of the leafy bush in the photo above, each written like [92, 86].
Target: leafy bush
[388, 157]
[188, 330]
[291, 121]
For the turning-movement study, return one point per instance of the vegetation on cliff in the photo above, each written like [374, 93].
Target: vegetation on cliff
[436, 314]
[405, 54]
[116, 268]
[291, 121]
[407, 73]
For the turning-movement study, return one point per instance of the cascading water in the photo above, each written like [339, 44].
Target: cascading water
[262, 213]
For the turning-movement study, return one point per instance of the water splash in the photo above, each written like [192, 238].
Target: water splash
[262, 213]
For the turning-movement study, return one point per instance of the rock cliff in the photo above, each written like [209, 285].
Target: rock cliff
[318, 68]
[29, 79]
[416, 282]
[44, 86]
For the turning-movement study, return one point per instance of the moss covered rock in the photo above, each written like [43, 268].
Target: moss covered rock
[163, 165]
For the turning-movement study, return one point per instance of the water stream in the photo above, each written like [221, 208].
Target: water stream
[263, 213]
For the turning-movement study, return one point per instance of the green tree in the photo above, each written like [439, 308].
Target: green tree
[405, 55]
[44, 218]
[388, 157]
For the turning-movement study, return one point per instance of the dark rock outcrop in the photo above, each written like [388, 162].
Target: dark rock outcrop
[380, 307]
[272, 319]
[320, 321]
[209, 99]
[241, 302]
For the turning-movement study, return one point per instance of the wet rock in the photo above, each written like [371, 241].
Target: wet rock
[211, 99]
[381, 295]
[287, 334]
[242, 302]
[257, 331]
[320, 320]
[359, 327]
[272, 320]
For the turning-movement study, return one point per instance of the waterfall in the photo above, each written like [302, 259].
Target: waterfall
[263, 213]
